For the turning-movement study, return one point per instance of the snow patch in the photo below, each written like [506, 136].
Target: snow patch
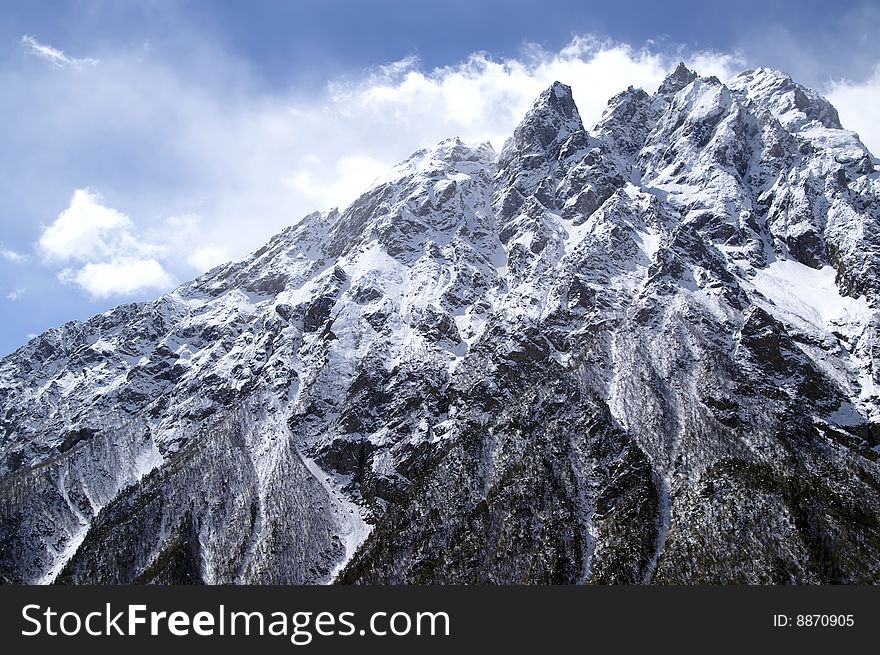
[353, 529]
[811, 295]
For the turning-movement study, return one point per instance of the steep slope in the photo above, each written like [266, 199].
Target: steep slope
[643, 353]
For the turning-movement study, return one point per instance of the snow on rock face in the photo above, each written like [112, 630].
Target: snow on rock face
[790, 103]
[640, 353]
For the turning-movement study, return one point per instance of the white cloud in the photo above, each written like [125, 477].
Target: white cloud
[111, 255]
[54, 56]
[183, 239]
[12, 256]
[483, 98]
[87, 230]
[207, 257]
[226, 169]
[115, 258]
[15, 294]
[348, 177]
[120, 276]
[858, 104]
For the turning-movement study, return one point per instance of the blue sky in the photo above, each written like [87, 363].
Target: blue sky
[147, 141]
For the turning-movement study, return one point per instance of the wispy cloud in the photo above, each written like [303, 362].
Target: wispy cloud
[363, 126]
[15, 294]
[12, 256]
[54, 56]
[483, 98]
[107, 254]
[120, 276]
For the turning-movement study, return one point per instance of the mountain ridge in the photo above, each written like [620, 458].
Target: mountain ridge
[638, 353]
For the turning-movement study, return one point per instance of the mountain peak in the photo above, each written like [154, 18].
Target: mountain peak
[555, 106]
[791, 103]
[549, 122]
[558, 96]
[548, 136]
[677, 80]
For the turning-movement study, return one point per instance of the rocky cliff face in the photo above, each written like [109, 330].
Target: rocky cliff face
[646, 352]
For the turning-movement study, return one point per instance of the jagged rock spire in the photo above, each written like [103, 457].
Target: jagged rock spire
[548, 136]
[548, 124]
[677, 80]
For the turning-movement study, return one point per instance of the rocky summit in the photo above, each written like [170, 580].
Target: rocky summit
[644, 352]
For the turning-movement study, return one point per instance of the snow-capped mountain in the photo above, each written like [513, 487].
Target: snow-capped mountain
[643, 352]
